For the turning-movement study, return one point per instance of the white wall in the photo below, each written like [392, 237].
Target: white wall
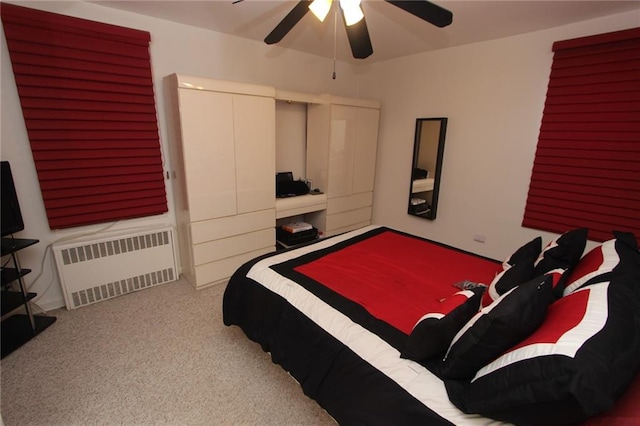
[175, 48]
[493, 94]
[291, 136]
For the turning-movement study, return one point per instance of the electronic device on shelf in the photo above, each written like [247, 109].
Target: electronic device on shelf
[296, 233]
[287, 187]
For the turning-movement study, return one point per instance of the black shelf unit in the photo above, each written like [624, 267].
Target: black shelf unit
[19, 328]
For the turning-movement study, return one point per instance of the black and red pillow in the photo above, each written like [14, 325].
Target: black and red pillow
[614, 257]
[497, 327]
[576, 364]
[433, 332]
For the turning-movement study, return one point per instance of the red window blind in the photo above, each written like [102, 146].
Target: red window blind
[586, 171]
[87, 99]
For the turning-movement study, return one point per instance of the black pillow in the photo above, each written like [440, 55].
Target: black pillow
[529, 251]
[511, 277]
[562, 252]
[497, 327]
[433, 332]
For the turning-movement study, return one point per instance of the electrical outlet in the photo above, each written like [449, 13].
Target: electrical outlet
[479, 238]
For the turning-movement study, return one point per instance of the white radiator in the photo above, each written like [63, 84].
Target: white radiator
[108, 266]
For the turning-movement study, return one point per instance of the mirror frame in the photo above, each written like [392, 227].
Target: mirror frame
[431, 214]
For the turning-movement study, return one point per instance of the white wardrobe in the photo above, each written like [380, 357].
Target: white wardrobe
[342, 139]
[223, 154]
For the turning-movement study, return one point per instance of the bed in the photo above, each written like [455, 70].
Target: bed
[347, 317]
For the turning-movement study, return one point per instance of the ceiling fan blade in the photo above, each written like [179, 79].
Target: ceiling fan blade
[425, 10]
[289, 21]
[359, 39]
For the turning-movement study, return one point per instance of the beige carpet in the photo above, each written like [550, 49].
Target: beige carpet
[159, 356]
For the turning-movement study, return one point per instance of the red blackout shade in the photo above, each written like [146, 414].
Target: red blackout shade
[88, 103]
[587, 167]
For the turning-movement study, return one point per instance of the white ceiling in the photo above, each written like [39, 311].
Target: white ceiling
[394, 32]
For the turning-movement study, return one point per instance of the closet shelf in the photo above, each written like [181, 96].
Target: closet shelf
[293, 206]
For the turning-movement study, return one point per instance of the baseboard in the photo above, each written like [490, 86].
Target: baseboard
[50, 305]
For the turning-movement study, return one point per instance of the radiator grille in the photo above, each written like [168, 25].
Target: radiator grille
[97, 270]
[109, 290]
[110, 248]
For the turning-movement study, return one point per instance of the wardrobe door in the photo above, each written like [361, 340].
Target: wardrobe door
[208, 150]
[342, 145]
[352, 150]
[255, 144]
[365, 150]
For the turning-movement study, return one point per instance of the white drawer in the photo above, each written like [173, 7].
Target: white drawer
[350, 202]
[215, 229]
[347, 219]
[347, 228]
[232, 246]
[221, 270]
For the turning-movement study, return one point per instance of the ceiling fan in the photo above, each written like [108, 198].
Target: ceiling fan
[355, 23]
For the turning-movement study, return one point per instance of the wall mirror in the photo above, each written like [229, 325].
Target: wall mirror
[428, 151]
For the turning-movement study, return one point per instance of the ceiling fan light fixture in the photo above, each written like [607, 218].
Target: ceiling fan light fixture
[320, 8]
[353, 18]
[352, 11]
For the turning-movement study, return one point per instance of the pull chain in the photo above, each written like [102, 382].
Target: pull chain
[335, 31]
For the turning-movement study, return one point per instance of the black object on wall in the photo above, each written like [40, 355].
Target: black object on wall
[11, 215]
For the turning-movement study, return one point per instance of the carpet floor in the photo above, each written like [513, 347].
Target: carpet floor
[157, 356]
